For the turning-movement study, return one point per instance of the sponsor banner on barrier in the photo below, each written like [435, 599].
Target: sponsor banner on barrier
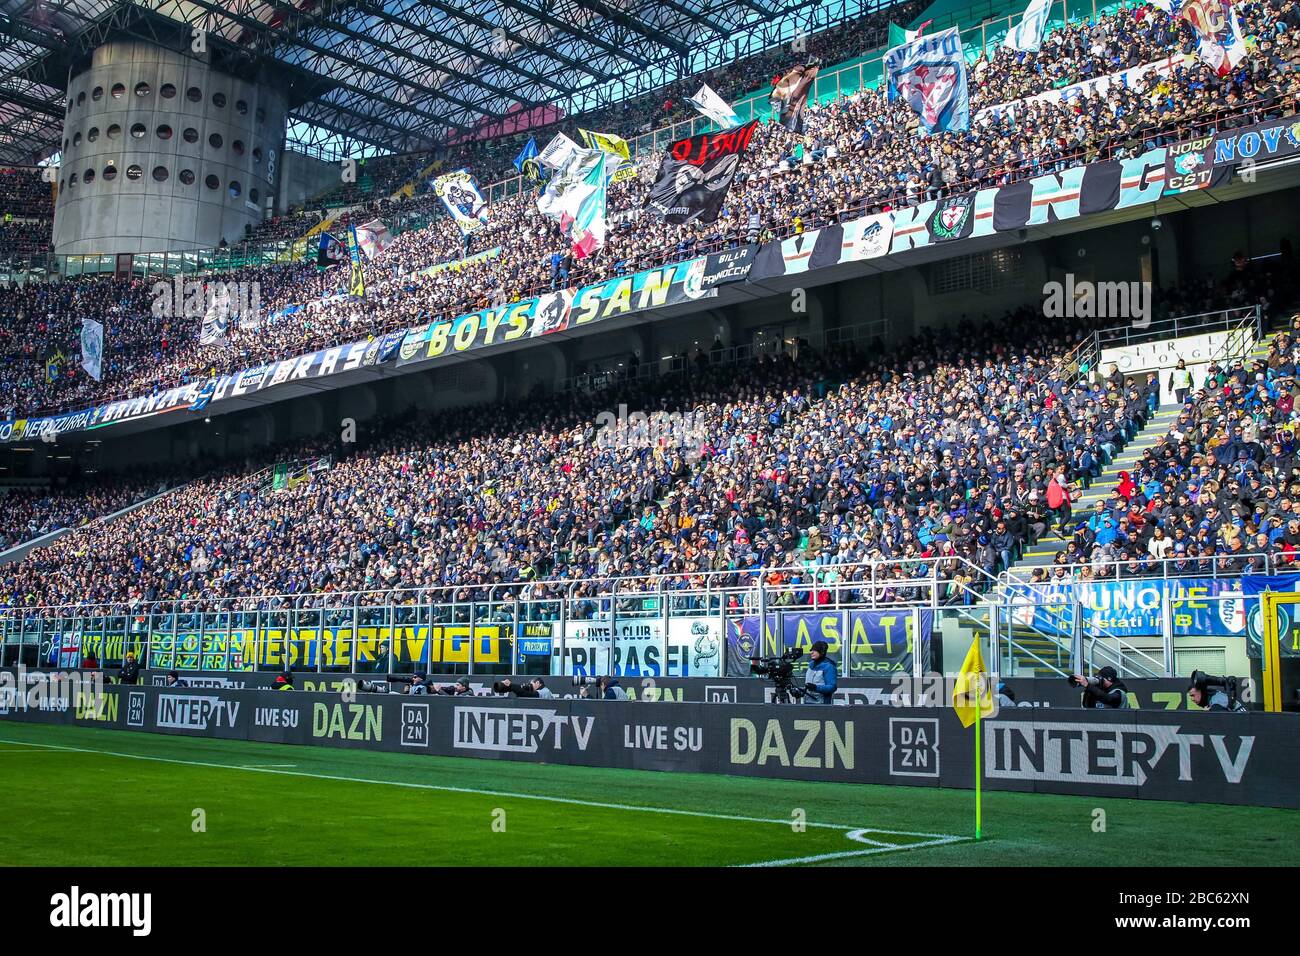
[639, 647]
[1134, 608]
[1188, 757]
[733, 265]
[879, 641]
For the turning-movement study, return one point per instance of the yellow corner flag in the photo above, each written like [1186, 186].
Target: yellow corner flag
[971, 697]
[972, 700]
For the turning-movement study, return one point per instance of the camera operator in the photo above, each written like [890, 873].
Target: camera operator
[607, 688]
[173, 680]
[418, 684]
[821, 680]
[1215, 693]
[533, 688]
[460, 688]
[1104, 692]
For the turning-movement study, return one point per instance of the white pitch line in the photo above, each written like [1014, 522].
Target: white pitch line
[845, 854]
[936, 839]
[263, 766]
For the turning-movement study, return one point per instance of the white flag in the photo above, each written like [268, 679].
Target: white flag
[558, 152]
[92, 348]
[714, 107]
[552, 201]
[1027, 36]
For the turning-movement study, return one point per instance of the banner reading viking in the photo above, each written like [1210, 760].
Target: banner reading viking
[880, 642]
[460, 194]
[696, 173]
[929, 74]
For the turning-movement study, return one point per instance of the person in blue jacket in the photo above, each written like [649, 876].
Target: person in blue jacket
[821, 680]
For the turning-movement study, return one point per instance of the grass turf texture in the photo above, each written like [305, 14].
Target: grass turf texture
[323, 806]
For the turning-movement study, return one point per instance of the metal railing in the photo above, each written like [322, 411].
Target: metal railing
[1239, 323]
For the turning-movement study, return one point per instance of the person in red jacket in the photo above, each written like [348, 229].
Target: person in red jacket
[1058, 499]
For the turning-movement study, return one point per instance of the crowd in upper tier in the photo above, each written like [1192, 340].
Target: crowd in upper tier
[860, 154]
[26, 212]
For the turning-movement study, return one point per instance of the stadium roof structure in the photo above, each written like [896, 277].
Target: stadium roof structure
[399, 75]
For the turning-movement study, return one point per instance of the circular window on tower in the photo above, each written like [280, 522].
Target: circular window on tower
[110, 173]
[241, 107]
[194, 94]
[72, 180]
[97, 94]
[160, 174]
[191, 135]
[119, 90]
[138, 130]
[235, 189]
[88, 177]
[238, 146]
[114, 131]
[257, 155]
[211, 181]
[164, 131]
[215, 141]
[134, 172]
[167, 91]
[81, 98]
[93, 134]
[76, 139]
[253, 196]
[143, 89]
[219, 100]
[186, 177]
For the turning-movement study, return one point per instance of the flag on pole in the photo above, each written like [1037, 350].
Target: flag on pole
[621, 167]
[1027, 35]
[1220, 42]
[527, 164]
[713, 107]
[583, 216]
[790, 95]
[972, 684]
[972, 700]
[357, 281]
[900, 35]
[569, 177]
[930, 75]
[92, 348]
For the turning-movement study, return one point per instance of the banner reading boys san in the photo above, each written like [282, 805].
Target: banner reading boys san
[930, 75]
[696, 173]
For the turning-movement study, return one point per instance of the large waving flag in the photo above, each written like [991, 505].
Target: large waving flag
[527, 164]
[1220, 44]
[930, 75]
[1027, 35]
[552, 202]
[583, 216]
[92, 348]
[357, 280]
[460, 194]
[713, 107]
[621, 167]
[900, 35]
[790, 95]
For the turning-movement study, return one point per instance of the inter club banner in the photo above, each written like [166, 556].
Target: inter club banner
[879, 642]
[696, 173]
[730, 265]
[953, 218]
[929, 74]
[460, 194]
[1190, 166]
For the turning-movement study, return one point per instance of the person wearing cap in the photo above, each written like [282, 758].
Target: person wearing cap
[821, 678]
[460, 688]
[419, 685]
[1103, 692]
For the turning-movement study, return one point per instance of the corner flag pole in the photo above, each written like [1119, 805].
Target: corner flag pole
[979, 768]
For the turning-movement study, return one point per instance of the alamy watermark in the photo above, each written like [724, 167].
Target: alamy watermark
[672, 431]
[216, 300]
[1083, 299]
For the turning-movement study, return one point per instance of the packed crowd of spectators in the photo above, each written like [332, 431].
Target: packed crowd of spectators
[860, 154]
[28, 513]
[26, 212]
[938, 459]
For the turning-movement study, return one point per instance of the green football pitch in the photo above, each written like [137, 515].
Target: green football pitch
[159, 800]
